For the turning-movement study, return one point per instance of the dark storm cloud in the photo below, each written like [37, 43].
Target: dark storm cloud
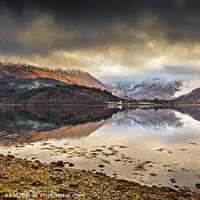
[98, 34]
[92, 19]
[75, 10]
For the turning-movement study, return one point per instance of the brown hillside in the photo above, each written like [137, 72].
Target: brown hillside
[23, 71]
[192, 97]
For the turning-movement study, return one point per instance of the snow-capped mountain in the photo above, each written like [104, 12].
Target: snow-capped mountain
[121, 88]
[161, 88]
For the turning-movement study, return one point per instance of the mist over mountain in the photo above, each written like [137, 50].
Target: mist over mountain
[23, 77]
[161, 88]
[22, 83]
[28, 84]
[192, 97]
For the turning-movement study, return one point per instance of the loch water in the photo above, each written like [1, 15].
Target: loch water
[152, 146]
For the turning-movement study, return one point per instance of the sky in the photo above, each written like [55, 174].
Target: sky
[107, 38]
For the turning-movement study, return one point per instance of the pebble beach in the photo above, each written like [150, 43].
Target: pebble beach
[24, 179]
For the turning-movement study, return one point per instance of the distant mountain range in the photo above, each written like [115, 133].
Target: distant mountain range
[22, 83]
[160, 88]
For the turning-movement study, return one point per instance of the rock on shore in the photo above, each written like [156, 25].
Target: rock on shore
[22, 178]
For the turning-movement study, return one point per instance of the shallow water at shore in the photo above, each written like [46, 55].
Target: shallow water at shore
[152, 147]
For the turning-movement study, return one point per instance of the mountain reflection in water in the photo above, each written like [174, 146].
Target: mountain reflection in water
[148, 118]
[32, 124]
[149, 146]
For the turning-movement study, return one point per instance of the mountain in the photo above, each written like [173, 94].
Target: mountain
[160, 88]
[61, 94]
[192, 97]
[25, 71]
[28, 84]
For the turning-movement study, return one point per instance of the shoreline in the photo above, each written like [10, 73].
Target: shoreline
[22, 176]
[54, 105]
[113, 105]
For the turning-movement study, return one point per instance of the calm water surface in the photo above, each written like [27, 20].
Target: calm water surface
[149, 146]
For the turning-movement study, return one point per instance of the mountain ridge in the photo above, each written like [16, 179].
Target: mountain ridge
[160, 88]
[191, 97]
[26, 71]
